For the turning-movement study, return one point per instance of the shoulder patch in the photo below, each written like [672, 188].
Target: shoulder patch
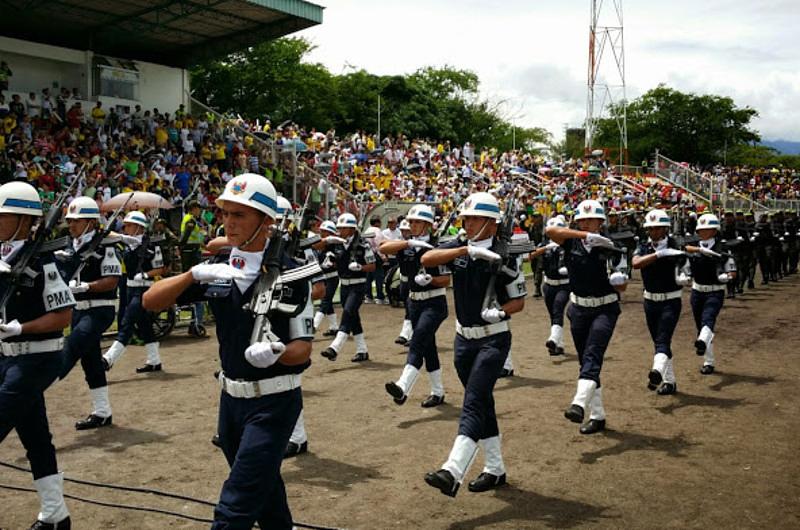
[56, 295]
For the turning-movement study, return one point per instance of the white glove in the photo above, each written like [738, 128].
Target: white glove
[354, 266]
[5, 268]
[264, 354]
[10, 329]
[723, 278]
[563, 271]
[423, 279]
[708, 252]
[78, 287]
[328, 262]
[482, 253]
[596, 240]
[209, 272]
[667, 252]
[493, 315]
[683, 279]
[335, 240]
[416, 243]
[130, 240]
[552, 245]
[617, 278]
[739, 238]
[141, 276]
[59, 254]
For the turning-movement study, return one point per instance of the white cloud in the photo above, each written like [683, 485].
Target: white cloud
[534, 53]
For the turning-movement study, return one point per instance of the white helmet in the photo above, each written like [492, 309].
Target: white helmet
[481, 204]
[590, 209]
[347, 220]
[284, 207]
[328, 226]
[251, 190]
[656, 218]
[420, 212]
[83, 208]
[405, 225]
[557, 221]
[21, 198]
[708, 221]
[137, 218]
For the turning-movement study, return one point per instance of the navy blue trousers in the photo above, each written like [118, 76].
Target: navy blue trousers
[591, 329]
[83, 343]
[662, 318]
[23, 380]
[555, 299]
[254, 434]
[426, 316]
[326, 304]
[706, 308]
[136, 318]
[404, 290]
[352, 297]
[478, 363]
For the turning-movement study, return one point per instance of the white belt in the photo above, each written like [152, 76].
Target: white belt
[425, 295]
[139, 283]
[548, 281]
[403, 278]
[255, 389]
[353, 281]
[662, 297]
[329, 275]
[593, 301]
[83, 305]
[12, 349]
[480, 332]
[707, 288]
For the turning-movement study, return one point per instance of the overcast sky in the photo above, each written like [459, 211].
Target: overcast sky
[534, 53]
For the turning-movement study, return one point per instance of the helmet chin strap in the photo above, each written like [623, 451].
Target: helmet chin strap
[254, 235]
[16, 230]
[480, 232]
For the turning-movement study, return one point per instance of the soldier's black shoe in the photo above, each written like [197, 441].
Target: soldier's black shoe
[293, 449]
[707, 369]
[147, 368]
[739, 290]
[593, 426]
[507, 373]
[66, 524]
[551, 347]
[486, 481]
[654, 379]
[443, 481]
[330, 333]
[396, 392]
[559, 350]
[432, 401]
[215, 441]
[667, 389]
[751, 285]
[106, 366]
[329, 353]
[402, 341]
[537, 294]
[360, 357]
[92, 421]
[699, 347]
[574, 413]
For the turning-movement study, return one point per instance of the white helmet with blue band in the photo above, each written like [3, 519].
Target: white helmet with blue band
[83, 208]
[481, 204]
[590, 209]
[251, 190]
[284, 207]
[708, 221]
[137, 218]
[347, 220]
[657, 218]
[20, 198]
[421, 212]
[328, 226]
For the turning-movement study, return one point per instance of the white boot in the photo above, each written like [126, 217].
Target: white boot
[361, 343]
[407, 379]
[51, 497]
[493, 457]
[407, 330]
[113, 354]
[557, 332]
[706, 335]
[153, 357]
[318, 317]
[660, 362]
[299, 436]
[508, 364]
[597, 412]
[338, 341]
[669, 373]
[461, 457]
[586, 388]
[333, 323]
[100, 402]
[437, 388]
[708, 356]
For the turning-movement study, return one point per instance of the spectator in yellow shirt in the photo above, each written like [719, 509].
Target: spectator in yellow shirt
[98, 114]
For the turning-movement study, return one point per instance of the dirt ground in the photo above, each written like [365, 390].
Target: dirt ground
[722, 453]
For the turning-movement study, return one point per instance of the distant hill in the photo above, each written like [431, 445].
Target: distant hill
[783, 146]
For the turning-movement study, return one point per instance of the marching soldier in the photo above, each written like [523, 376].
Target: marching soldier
[750, 229]
[659, 259]
[143, 262]
[595, 306]
[536, 234]
[354, 259]
[793, 239]
[94, 288]
[31, 340]
[764, 248]
[732, 241]
[485, 297]
[427, 306]
[710, 271]
[406, 279]
[555, 287]
[331, 278]
[261, 398]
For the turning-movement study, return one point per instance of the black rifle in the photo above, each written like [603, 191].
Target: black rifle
[36, 246]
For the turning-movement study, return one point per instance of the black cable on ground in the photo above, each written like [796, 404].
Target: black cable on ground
[134, 489]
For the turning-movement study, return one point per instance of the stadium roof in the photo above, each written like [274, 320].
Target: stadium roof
[174, 33]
